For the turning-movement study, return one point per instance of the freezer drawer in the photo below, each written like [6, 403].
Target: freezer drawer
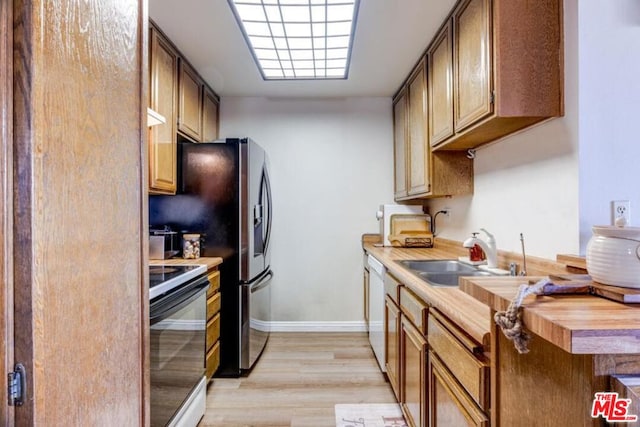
[256, 315]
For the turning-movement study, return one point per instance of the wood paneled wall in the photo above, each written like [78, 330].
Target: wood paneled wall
[79, 210]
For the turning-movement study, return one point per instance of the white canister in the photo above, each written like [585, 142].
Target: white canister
[613, 256]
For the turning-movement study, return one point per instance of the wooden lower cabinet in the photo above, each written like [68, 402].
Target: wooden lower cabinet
[413, 378]
[462, 357]
[449, 404]
[213, 360]
[214, 301]
[572, 378]
[392, 344]
[439, 374]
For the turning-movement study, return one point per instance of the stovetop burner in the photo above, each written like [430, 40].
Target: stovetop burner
[155, 270]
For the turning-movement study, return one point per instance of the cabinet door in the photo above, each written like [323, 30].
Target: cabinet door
[413, 379]
[392, 344]
[163, 80]
[418, 147]
[472, 62]
[209, 116]
[440, 83]
[190, 102]
[449, 405]
[399, 144]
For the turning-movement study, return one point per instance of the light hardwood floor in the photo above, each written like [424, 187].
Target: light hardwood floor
[297, 382]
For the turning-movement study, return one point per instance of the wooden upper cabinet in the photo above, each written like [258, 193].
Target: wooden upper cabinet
[190, 102]
[209, 116]
[400, 144]
[494, 68]
[419, 172]
[163, 81]
[418, 147]
[473, 82]
[441, 86]
[429, 110]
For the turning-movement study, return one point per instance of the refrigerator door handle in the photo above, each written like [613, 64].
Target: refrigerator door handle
[262, 282]
[257, 215]
[267, 186]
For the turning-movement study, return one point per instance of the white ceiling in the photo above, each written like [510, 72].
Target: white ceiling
[390, 37]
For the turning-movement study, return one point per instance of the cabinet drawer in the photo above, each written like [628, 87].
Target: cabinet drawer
[448, 403]
[213, 360]
[213, 305]
[213, 330]
[469, 370]
[392, 287]
[414, 309]
[214, 282]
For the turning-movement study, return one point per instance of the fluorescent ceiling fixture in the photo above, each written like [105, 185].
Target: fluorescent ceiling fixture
[298, 39]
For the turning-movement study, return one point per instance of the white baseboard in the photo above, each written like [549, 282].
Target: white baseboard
[311, 326]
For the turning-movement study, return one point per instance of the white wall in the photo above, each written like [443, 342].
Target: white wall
[528, 183]
[609, 110]
[331, 166]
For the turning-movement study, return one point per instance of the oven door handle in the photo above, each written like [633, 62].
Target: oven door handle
[173, 302]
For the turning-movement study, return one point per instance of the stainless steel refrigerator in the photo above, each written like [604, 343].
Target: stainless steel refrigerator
[224, 194]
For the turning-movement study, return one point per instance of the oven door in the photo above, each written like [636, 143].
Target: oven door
[177, 347]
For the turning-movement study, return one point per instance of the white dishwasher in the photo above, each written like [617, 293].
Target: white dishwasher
[376, 309]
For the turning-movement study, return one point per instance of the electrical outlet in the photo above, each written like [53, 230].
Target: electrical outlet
[621, 208]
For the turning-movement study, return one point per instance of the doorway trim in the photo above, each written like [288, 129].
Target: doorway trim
[6, 197]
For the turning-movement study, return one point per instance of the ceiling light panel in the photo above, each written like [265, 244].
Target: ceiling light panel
[298, 39]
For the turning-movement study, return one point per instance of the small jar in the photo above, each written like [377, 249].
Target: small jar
[190, 246]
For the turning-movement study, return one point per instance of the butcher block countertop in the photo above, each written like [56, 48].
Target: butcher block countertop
[210, 262]
[471, 315]
[579, 324]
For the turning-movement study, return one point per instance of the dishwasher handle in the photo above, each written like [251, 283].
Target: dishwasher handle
[376, 266]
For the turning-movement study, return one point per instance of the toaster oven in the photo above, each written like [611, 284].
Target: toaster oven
[163, 243]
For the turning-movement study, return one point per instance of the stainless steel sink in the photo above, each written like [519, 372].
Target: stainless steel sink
[450, 279]
[438, 266]
[442, 272]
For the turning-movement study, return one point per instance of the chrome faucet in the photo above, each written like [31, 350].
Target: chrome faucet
[489, 247]
[523, 272]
